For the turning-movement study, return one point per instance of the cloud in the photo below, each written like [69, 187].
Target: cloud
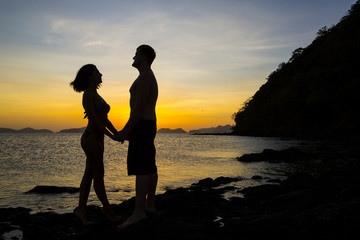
[208, 52]
[93, 43]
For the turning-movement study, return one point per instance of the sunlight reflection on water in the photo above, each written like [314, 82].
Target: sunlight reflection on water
[29, 160]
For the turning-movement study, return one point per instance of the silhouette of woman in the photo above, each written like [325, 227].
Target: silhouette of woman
[88, 80]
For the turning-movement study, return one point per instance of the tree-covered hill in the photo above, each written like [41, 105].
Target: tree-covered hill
[316, 93]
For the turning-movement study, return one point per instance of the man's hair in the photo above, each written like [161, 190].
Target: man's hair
[148, 51]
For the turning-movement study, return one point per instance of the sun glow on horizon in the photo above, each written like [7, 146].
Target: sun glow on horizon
[211, 55]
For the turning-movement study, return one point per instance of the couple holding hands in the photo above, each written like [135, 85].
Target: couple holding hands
[140, 131]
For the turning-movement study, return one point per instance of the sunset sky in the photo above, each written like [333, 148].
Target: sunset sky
[211, 55]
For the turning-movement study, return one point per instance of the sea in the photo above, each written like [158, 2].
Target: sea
[56, 159]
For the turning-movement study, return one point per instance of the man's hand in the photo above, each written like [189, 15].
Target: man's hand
[120, 136]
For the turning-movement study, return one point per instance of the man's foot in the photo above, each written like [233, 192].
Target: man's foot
[81, 213]
[150, 207]
[110, 215]
[135, 218]
[150, 211]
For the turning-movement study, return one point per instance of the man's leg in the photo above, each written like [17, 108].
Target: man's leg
[150, 201]
[142, 189]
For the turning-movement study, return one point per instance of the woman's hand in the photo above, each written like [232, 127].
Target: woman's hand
[120, 136]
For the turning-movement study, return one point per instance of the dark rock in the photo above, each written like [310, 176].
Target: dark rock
[274, 180]
[320, 203]
[226, 180]
[14, 214]
[256, 177]
[263, 191]
[205, 182]
[268, 155]
[210, 183]
[53, 189]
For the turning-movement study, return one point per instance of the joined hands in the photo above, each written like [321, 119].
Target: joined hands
[120, 136]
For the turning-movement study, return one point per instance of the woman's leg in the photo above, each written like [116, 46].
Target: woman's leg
[84, 194]
[95, 154]
[85, 186]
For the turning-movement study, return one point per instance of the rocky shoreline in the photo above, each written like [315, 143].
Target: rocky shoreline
[320, 201]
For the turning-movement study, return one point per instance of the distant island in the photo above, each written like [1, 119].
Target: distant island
[168, 130]
[214, 130]
[73, 130]
[32, 130]
[25, 130]
[227, 129]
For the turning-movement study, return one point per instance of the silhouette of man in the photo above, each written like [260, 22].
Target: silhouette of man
[140, 130]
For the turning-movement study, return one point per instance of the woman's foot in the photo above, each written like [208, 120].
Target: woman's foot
[135, 218]
[81, 213]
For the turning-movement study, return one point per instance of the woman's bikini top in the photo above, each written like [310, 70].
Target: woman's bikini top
[100, 106]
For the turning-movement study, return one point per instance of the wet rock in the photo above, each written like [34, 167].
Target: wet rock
[256, 177]
[53, 189]
[207, 182]
[263, 191]
[211, 183]
[226, 180]
[322, 203]
[14, 214]
[13, 235]
[274, 180]
[268, 155]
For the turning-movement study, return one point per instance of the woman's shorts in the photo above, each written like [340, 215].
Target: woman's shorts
[141, 152]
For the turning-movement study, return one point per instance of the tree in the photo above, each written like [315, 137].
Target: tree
[296, 53]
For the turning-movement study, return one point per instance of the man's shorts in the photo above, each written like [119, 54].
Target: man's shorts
[141, 152]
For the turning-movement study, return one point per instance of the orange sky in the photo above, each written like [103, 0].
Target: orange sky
[211, 55]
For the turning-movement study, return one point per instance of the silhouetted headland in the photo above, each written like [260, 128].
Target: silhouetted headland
[315, 94]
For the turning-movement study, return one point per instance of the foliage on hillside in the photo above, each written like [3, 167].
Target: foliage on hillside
[316, 93]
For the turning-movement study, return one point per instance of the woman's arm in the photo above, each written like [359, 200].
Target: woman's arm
[109, 134]
[110, 126]
[110, 130]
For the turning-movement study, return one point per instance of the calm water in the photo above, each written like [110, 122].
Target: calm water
[29, 160]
